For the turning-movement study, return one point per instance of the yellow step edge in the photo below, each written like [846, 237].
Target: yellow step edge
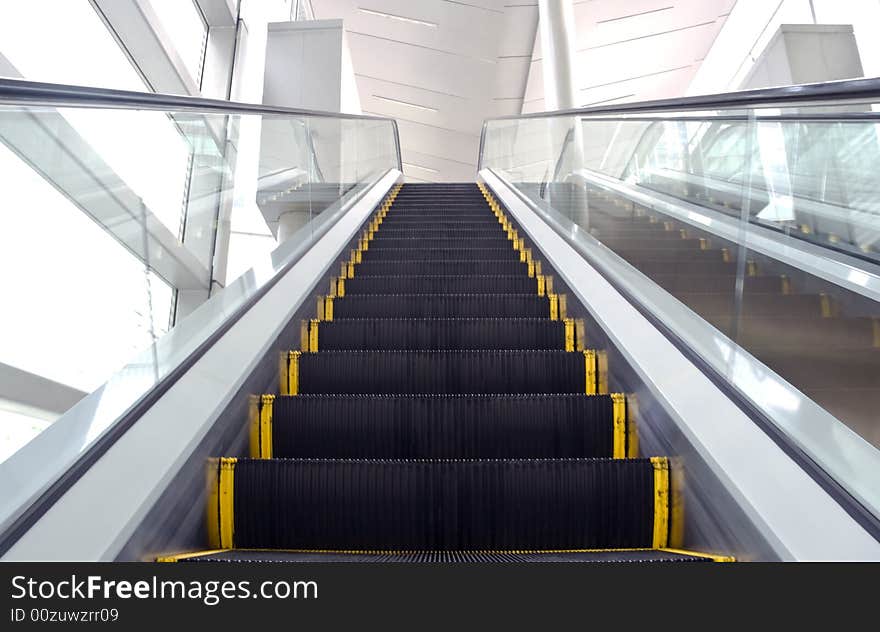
[289, 368]
[313, 335]
[580, 333]
[221, 503]
[632, 430]
[568, 327]
[304, 326]
[661, 501]
[260, 418]
[619, 421]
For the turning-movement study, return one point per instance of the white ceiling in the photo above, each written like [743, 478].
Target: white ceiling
[467, 60]
[633, 50]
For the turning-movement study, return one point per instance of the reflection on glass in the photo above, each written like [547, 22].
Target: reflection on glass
[108, 239]
[655, 188]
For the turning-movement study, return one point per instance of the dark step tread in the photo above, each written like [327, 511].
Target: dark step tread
[385, 253]
[441, 306]
[448, 557]
[418, 268]
[490, 371]
[442, 426]
[442, 284]
[451, 504]
[440, 333]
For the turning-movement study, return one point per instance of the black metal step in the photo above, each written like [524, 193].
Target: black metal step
[445, 372]
[442, 284]
[504, 267]
[446, 504]
[440, 333]
[441, 221]
[441, 306]
[451, 232]
[498, 240]
[440, 254]
[445, 426]
[632, 556]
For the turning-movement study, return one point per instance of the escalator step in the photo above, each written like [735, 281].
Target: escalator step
[483, 242]
[447, 372]
[437, 333]
[449, 210]
[634, 556]
[482, 220]
[440, 254]
[441, 306]
[390, 232]
[442, 284]
[505, 267]
[446, 504]
[445, 426]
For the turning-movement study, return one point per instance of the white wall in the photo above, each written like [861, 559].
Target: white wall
[752, 24]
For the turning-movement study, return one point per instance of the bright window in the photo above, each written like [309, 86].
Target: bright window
[77, 304]
[183, 24]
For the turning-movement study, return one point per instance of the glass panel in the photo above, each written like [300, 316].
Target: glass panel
[92, 272]
[764, 222]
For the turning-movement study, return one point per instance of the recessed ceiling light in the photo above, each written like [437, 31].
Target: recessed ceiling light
[406, 103]
[409, 164]
[399, 18]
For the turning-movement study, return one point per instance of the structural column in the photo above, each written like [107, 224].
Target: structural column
[556, 21]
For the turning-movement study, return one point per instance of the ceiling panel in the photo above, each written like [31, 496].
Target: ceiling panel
[440, 68]
[634, 50]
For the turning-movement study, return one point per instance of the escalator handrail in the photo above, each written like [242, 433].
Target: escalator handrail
[785, 96]
[19, 92]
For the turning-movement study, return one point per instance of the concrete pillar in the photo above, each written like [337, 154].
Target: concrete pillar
[556, 21]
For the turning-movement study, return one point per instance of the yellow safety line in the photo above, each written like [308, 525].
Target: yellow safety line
[580, 334]
[328, 308]
[226, 504]
[304, 326]
[265, 431]
[569, 334]
[619, 420]
[554, 306]
[632, 431]
[710, 556]
[786, 284]
[541, 285]
[589, 372]
[661, 501]
[340, 286]
[825, 302]
[313, 335]
[602, 372]
[293, 373]
[185, 556]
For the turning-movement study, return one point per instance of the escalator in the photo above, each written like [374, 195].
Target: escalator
[821, 339]
[442, 406]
